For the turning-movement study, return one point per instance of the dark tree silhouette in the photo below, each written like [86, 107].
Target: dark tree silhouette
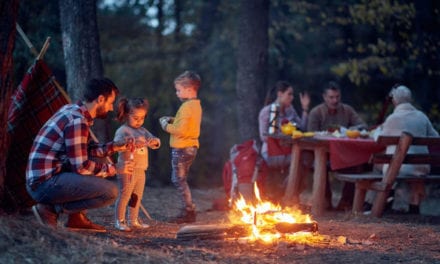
[82, 51]
[252, 53]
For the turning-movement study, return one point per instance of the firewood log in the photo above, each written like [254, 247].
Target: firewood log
[218, 231]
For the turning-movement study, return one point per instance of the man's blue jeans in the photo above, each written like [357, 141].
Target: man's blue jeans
[181, 160]
[70, 192]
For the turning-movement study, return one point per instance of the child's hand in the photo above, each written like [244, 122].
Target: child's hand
[153, 143]
[164, 121]
[141, 142]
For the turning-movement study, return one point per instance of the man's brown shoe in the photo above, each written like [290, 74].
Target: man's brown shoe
[79, 221]
[45, 215]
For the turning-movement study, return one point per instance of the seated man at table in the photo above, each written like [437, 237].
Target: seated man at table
[406, 117]
[331, 114]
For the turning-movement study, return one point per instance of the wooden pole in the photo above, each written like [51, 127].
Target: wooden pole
[44, 49]
[26, 40]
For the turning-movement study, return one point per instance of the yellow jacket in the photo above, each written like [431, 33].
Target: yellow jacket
[185, 129]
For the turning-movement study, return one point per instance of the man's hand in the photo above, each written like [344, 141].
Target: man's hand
[111, 170]
[124, 145]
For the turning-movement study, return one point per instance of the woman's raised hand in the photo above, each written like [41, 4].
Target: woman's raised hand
[305, 100]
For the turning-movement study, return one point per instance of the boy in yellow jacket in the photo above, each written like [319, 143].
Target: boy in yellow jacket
[184, 131]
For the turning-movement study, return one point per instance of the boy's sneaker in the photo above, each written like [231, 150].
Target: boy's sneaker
[79, 221]
[45, 215]
[185, 217]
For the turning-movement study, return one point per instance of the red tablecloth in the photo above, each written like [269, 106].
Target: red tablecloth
[347, 152]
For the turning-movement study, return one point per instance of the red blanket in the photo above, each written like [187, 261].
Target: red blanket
[33, 103]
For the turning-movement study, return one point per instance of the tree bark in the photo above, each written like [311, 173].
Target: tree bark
[82, 55]
[8, 19]
[251, 64]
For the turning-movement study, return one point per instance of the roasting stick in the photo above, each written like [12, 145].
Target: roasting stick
[61, 89]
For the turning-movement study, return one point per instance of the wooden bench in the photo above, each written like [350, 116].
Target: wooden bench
[382, 183]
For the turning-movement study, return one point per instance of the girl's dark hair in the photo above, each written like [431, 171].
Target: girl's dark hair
[125, 106]
[280, 86]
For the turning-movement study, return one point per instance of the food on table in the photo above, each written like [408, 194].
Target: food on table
[288, 128]
[365, 134]
[337, 134]
[297, 134]
[333, 128]
[309, 134]
[352, 133]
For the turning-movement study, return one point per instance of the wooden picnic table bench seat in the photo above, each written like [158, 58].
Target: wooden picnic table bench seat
[382, 183]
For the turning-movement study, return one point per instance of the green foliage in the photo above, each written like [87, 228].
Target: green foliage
[389, 36]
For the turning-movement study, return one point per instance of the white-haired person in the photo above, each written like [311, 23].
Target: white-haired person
[406, 117]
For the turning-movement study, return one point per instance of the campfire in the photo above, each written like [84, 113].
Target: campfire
[269, 222]
[257, 220]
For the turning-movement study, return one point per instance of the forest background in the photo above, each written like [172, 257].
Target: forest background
[367, 46]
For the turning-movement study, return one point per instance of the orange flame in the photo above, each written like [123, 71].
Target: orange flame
[262, 216]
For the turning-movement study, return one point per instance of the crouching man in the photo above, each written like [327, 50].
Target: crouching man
[60, 175]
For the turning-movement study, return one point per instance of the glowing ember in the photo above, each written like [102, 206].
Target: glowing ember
[264, 217]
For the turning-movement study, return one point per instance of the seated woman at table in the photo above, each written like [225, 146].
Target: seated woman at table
[276, 112]
[405, 117]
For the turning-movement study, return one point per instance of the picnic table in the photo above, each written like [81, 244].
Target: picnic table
[338, 152]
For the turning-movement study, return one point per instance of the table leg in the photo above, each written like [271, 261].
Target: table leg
[291, 195]
[319, 181]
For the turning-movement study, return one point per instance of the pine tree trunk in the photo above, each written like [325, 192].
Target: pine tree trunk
[8, 18]
[252, 64]
[82, 55]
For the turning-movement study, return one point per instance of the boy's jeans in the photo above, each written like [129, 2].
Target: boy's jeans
[71, 192]
[181, 160]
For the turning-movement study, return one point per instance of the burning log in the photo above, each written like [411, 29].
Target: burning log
[217, 231]
[236, 231]
[296, 227]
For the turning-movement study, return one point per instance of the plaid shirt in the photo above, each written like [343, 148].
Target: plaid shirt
[63, 144]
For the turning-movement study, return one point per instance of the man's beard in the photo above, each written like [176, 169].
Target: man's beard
[101, 113]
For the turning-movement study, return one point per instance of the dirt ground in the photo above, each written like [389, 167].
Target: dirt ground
[348, 239]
